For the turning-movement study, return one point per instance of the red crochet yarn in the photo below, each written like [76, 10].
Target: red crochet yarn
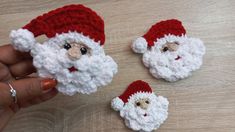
[69, 18]
[134, 87]
[160, 29]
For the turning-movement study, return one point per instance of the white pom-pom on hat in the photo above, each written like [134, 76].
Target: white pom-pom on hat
[140, 45]
[117, 104]
[22, 39]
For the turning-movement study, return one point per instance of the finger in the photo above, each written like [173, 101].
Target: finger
[26, 89]
[46, 96]
[22, 68]
[5, 116]
[49, 95]
[5, 74]
[11, 56]
[28, 76]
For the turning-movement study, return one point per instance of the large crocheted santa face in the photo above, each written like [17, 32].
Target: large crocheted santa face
[73, 54]
[141, 108]
[168, 52]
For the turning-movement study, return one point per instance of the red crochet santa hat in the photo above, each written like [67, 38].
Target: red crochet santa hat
[135, 87]
[158, 31]
[70, 18]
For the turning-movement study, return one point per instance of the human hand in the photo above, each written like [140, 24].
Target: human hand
[15, 67]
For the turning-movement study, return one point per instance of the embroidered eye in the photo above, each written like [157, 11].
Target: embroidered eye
[83, 50]
[67, 46]
[165, 49]
[137, 103]
[147, 102]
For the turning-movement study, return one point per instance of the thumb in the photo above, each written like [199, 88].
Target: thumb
[26, 90]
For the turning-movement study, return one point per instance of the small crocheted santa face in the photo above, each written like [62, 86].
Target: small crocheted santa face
[73, 54]
[168, 52]
[141, 108]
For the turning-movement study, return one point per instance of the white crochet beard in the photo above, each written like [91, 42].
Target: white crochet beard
[51, 60]
[157, 113]
[163, 64]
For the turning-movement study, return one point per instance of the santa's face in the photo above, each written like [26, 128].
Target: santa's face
[173, 58]
[145, 112]
[78, 63]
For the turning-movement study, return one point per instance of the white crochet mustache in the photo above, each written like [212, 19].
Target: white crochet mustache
[168, 58]
[73, 65]
[140, 113]
[143, 118]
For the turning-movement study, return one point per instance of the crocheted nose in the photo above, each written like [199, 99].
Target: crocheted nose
[143, 103]
[74, 53]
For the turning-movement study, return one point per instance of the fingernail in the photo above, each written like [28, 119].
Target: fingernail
[48, 84]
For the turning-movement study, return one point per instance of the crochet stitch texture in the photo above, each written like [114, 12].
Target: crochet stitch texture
[69, 18]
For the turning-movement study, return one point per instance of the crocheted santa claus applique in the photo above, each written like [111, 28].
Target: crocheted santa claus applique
[141, 109]
[73, 53]
[168, 52]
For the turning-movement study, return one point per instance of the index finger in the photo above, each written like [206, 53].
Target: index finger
[9, 56]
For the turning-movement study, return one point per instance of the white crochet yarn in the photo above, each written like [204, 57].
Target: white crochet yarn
[22, 39]
[140, 45]
[163, 64]
[94, 71]
[117, 104]
[135, 118]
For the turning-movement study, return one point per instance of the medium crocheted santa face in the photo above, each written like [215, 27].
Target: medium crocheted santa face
[141, 109]
[145, 112]
[168, 52]
[71, 55]
[76, 65]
